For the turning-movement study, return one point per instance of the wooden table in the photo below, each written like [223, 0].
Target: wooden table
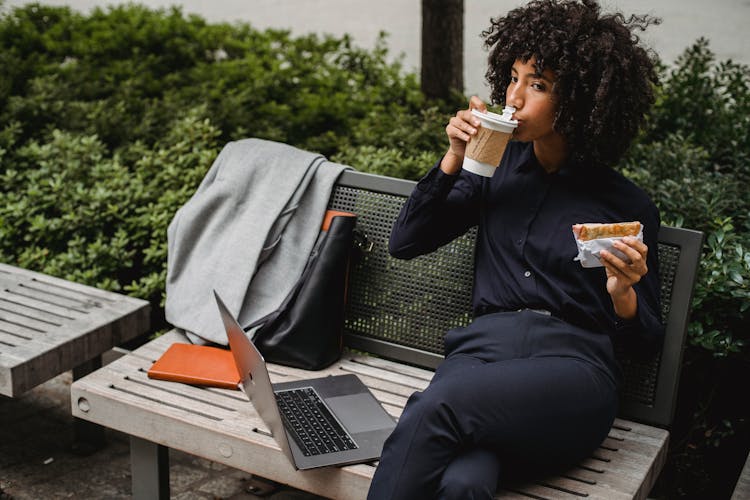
[49, 325]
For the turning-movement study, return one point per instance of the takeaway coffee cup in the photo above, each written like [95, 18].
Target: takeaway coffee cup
[485, 150]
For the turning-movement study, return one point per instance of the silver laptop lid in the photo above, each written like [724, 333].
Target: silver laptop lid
[254, 377]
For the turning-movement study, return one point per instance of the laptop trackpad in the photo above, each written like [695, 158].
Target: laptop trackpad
[359, 412]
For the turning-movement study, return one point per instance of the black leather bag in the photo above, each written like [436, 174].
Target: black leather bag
[306, 331]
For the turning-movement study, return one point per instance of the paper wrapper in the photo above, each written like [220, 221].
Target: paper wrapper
[588, 251]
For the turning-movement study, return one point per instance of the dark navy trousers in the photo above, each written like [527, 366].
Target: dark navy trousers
[517, 390]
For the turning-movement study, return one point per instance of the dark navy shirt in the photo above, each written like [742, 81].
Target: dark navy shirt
[525, 244]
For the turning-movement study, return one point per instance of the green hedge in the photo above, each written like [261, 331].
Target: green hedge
[110, 120]
[694, 159]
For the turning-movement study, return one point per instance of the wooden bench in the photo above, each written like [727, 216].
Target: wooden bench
[397, 314]
[49, 326]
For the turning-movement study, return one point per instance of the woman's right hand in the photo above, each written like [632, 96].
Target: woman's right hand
[460, 129]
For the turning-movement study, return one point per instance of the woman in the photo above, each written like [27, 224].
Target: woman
[531, 383]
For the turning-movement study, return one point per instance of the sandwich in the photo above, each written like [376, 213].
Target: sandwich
[593, 231]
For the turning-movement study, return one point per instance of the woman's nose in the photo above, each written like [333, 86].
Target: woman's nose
[513, 97]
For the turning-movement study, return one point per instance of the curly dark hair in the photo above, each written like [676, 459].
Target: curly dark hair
[604, 79]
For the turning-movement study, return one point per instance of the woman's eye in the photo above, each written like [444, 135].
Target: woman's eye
[513, 79]
[538, 86]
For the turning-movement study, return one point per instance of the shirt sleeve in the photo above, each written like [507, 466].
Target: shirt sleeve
[646, 326]
[440, 208]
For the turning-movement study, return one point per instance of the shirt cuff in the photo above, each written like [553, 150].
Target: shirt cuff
[643, 325]
[632, 324]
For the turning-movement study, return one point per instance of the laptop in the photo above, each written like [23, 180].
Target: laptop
[333, 420]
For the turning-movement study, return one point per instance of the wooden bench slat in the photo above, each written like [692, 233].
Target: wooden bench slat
[392, 366]
[621, 468]
[23, 350]
[34, 320]
[130, 376]
[409, 384]
[29, 305]
[645, 430]
[51, 285]
[631, 445]
[530, 490]
[635, 434]
[606, 479]
[512, 495]
[24, 327]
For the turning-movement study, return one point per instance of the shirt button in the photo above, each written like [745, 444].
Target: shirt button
[527, 273]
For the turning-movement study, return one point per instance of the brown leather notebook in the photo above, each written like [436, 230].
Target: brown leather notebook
[197, 365]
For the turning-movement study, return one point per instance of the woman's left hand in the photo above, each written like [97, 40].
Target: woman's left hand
[622, 275]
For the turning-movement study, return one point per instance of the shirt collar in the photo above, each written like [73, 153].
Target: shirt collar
[527, 162]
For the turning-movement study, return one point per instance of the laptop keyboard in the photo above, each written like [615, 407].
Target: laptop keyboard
[311, 424]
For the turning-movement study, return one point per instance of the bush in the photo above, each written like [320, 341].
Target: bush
[125, 73]
[693, 159]
[72, 209]
[708, 103]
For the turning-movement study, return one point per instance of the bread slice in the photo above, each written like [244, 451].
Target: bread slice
[592, 231]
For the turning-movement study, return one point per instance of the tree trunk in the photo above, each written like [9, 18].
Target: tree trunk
[442, 47]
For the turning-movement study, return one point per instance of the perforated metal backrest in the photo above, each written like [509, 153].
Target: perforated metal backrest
[401, 309]
[649, 388]
[396, 308]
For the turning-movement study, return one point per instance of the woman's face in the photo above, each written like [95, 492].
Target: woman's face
[531, 94]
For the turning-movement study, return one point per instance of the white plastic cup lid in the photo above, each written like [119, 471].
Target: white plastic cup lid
[503, 123]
